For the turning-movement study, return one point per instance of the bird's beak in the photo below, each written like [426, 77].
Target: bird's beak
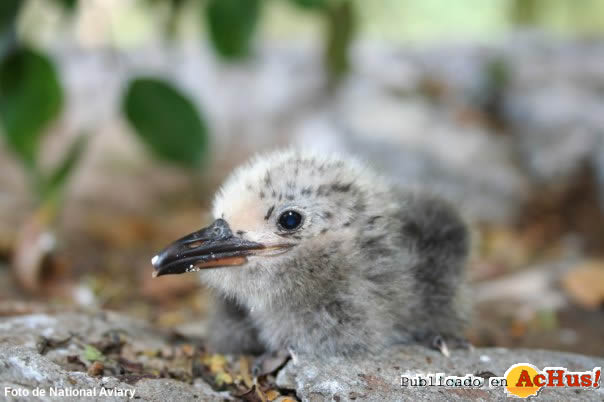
[210, 247]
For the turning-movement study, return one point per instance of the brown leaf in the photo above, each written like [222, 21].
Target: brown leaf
[96, 369]
[518, 329]
[188, 350]
[254, 394]
[75, 363]
[74, 359]
[249, 396]
[585, 284]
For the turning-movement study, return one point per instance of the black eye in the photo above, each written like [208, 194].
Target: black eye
[290, 220]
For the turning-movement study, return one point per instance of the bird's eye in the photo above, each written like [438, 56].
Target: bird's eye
[290, 220]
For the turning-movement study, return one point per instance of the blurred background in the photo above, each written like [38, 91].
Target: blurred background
[120, 118]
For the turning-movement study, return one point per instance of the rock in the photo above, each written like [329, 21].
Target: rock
[379, 378]
[25, 366]
[24, 370]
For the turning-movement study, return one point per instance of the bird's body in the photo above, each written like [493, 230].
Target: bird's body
[337, 261]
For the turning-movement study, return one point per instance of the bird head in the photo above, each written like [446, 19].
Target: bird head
[285, 223]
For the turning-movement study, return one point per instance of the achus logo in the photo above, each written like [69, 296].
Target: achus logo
[525, 380]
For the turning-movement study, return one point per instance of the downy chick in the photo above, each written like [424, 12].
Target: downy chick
[320, 255]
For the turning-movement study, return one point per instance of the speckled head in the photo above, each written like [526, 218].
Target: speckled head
[284, 218]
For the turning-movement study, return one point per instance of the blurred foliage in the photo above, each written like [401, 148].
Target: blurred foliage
[31, 98]
[8, 13]
[311, 4]
[231, 25]
[58, 177]
[340, 20]
[524, 12]
[491, 90]
[162, 117]
[341, 27]
[166, 120]
[9, 9]
[68, 4]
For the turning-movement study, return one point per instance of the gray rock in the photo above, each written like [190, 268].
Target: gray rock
[379, 378]
[24, 369]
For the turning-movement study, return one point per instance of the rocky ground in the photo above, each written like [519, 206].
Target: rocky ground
[119, 357]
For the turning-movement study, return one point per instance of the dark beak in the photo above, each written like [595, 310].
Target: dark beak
[210, 247]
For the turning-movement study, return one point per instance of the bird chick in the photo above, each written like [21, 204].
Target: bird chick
[320, 255]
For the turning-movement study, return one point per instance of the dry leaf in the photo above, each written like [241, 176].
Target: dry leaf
[188, 350]
[215, 362]
[585, 284]
[35, 243]
[96, 369]
[260, 394]
[506, 246]
[244, 366]
[222, 378]
[254, 394]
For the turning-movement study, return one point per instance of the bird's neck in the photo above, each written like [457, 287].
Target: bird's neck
[289, 324]
[295, 300]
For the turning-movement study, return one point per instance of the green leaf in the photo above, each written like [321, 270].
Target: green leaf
[310, 4]
[166, 120]
[341, 28]
[9, 10]
[231, 25]
[8, 13]
[92, 354]
[68, 4]
[525, 12]
[57, 179]
[30, 97]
